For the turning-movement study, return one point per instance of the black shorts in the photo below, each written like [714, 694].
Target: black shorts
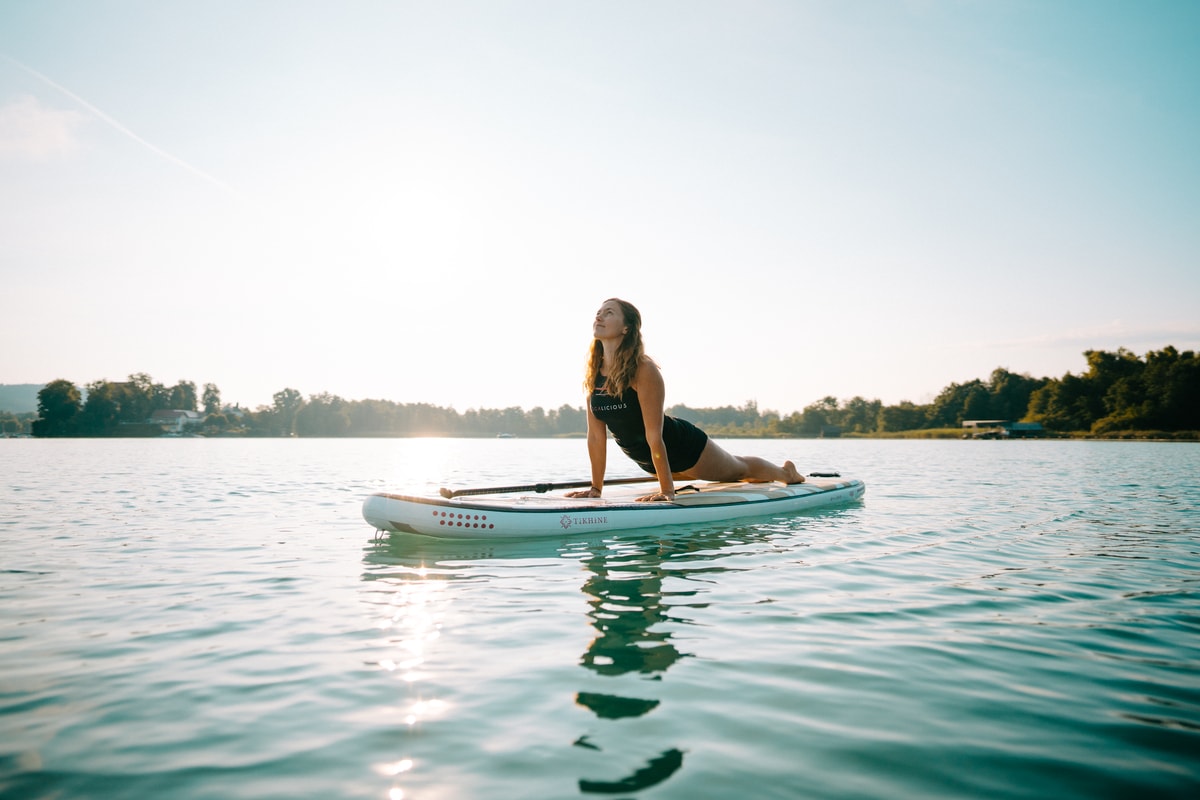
[685, 442]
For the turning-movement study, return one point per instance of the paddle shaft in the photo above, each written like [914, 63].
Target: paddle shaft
[540, 488]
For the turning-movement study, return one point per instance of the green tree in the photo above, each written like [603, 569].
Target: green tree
[211, 399]
[819, 417]
[323, 415]
[371, 417]
[790, 425]
[860, 415]
[59, 407]
[1062, 405]
[902, 417]
[103, 409]
[1173, 382]
[1119, 391]
[570, 419]
[1160, 393]
[950, 407]
[1010, 393]
[140, 397]
[18, 423]
[287, 403]
[724, 419]
[976, 403]
[182, 396]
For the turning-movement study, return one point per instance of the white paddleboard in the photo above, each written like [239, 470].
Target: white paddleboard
[531, 515]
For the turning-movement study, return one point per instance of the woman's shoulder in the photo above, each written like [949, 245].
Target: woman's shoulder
[647, 370]
[647, 364]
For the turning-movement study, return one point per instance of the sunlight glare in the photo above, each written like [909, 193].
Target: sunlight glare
[403, 765]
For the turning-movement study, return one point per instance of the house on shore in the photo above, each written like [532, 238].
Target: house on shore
[1001, 429]
[176, 421]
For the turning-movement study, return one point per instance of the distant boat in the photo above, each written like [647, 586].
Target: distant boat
[506, 436]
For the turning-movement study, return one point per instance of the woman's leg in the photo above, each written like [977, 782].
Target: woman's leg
[715, 464]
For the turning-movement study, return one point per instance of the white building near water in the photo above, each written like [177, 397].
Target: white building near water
[176, 421]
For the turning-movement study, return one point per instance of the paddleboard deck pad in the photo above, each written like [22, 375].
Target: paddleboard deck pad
[531, 515]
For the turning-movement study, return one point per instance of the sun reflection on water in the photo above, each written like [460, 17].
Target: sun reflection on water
[411, 623]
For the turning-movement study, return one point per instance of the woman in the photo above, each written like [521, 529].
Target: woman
[625, 395]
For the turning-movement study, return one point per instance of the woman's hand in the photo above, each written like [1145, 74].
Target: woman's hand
[589, 492]
[657, 497]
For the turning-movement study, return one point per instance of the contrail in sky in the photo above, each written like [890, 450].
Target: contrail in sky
[118, 126]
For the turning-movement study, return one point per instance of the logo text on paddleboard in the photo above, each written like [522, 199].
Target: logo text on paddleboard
[566, 520]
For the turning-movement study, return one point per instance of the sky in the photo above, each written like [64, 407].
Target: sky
[426, 202]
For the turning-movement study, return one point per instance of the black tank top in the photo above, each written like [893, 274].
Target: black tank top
[623, 416]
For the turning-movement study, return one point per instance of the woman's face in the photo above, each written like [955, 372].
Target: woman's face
[610, 321]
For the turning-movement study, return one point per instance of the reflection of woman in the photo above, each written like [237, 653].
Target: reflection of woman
[624, 611]
[626, 395]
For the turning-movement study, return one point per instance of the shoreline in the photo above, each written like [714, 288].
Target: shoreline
[940, 434]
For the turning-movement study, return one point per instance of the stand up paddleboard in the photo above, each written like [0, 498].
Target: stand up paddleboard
[527, 512]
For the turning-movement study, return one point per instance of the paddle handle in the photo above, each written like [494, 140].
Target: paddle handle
[540, 488]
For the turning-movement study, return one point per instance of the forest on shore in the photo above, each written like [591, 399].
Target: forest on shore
[1119, 395]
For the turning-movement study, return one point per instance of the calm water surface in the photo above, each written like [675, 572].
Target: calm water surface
[213, 619]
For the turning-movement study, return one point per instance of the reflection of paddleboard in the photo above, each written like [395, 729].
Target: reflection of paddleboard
[527, 515]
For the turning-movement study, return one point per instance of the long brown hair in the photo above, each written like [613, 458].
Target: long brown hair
[629, 355]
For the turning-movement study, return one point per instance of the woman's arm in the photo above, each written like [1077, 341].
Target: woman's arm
[597, 444]
[648, 383]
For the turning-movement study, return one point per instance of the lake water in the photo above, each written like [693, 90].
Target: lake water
[213, 619]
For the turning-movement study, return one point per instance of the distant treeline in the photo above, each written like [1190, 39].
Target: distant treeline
[1119, 392]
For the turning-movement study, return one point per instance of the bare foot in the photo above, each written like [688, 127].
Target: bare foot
[792, 474]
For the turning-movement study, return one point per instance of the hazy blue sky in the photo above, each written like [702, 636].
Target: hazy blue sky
[426, 202]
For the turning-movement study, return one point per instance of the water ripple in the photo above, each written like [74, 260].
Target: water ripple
[202, 619]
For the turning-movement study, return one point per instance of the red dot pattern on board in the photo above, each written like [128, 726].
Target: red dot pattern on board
[463, 520]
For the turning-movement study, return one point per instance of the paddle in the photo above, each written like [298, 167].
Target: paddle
[540, 488]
